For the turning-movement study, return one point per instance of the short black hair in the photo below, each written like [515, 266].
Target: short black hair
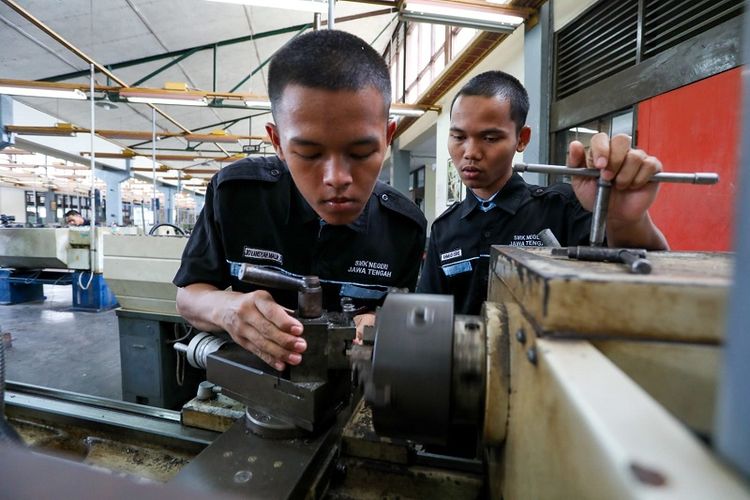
[503, 86]
[328, 60]
[72, 212]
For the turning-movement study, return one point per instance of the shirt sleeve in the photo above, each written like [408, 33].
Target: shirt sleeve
[204, 259]
[431, 280]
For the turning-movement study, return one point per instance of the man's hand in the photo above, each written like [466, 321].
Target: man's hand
[361, 321]
[629, 170]
[253, 320]
[260, 325]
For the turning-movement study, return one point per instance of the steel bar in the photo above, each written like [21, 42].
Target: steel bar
[692, 178]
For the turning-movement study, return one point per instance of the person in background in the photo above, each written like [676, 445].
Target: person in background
[74, 218]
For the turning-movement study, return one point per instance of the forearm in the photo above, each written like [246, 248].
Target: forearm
[204, 306]
[640, 234]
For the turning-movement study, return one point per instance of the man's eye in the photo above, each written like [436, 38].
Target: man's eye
[457, 137]
[307, 155]
[491, 138]
[362, 156]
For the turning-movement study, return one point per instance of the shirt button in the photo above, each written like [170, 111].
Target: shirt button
[384, 197]
[274, 172]
[539, 190]
[487, 234]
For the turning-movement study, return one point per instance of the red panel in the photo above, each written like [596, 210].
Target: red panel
[695, 129]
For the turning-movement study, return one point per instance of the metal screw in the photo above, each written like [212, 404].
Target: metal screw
[531, 355]
[521, 336]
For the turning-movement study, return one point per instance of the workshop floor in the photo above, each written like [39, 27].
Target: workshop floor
[53, 346]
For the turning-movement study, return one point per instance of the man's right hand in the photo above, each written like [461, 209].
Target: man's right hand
[260, 325]
[253, 320]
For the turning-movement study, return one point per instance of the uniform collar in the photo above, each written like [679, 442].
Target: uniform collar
[509, 197]
[300, 210]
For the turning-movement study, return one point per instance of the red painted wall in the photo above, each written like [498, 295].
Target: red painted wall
[695, 129]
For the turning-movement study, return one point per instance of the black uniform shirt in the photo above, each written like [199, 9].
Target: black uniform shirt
[254, 213]
[458, 253]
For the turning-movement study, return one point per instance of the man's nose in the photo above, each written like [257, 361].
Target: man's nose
[337, 172]
[472, 149]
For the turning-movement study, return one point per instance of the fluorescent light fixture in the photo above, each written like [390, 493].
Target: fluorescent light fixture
[258, 103]
[583, 130]
[304, 5]
[42, 92]
[158, 96]
[436, 12]
[499, 2]
[168, 100]
[407, 112]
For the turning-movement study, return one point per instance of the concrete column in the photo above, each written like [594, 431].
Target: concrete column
[436, 176]
[49, 198]
[400, 167]
[537, 74]
[169, 211]
[113, 196]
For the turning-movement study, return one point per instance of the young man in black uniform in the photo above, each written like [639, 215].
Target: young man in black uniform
[488, 118]
[74, 218]
[314, 209]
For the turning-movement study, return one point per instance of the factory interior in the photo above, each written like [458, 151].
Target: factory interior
[602, 370]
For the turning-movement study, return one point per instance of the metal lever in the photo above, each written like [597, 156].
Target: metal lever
[309, 297]
[633, 258]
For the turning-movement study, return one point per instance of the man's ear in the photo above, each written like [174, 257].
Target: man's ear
[390, 130]
[524, 136]
[273, 134]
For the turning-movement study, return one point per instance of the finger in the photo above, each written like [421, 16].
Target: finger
[576, 155]
[630, 169]
[651, 166]
[249, 345]
[619, 147]
[277, 351]
[276, 314]
[599, 150]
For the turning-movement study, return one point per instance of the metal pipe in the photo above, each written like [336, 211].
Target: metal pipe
[316, 21]
[599, 214]
[692, 178]
[153, 164]
[93, 164]
[331, 20]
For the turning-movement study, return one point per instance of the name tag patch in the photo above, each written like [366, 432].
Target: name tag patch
[457, 268]
[370, 268]
[526, 240]
[257, 253]
[450, 255]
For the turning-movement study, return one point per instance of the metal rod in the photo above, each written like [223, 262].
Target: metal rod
[693, 178]
[331, 20]
[93, 167]
[153, 164]
[599, 214]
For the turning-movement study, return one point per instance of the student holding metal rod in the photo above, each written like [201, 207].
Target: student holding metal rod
[488, 118]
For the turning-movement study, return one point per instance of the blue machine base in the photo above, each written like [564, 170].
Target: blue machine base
[18, 291]
[91, 293]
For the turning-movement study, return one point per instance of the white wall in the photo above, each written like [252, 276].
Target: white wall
[565, 11]
[13, 202]
[508, 57]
